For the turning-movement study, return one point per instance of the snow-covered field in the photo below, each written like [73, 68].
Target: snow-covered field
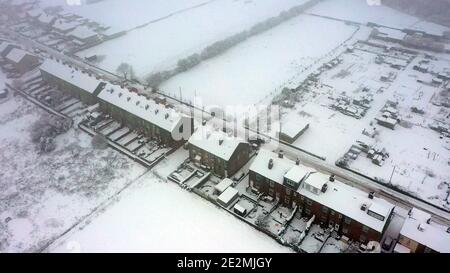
[124, 15]
[161, 44]
[153, 216]
[257, 69]
[42, 196]
[362, 12]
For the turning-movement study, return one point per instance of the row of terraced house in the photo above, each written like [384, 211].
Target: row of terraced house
[157, 121]
[351, 212]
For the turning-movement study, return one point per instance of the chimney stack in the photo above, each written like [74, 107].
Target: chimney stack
[270, 164]
[371, 195]
[297, 161]
[332, 178]
[280, 154]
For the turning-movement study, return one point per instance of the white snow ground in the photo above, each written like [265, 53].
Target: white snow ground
[124, 15]
[360, 11]
[41, 196]
[153, 216]
[260, 67]
[160, 45]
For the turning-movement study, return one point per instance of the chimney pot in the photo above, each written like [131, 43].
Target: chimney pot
[270, 164]
[332, 178]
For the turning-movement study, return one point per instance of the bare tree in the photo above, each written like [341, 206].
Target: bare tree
[126, 70]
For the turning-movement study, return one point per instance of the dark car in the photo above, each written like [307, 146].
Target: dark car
[387, 244]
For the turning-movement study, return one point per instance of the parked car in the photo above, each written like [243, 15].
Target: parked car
[387, 243]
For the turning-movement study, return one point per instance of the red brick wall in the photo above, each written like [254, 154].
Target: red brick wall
[354, 230]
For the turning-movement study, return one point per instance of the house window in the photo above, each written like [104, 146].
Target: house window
[271, 184]
[258, 178]
[271, 191]
[288, 191]
[324, 209]
[309, 202]
[180, 130]
[376, 215]
[307, 211]
[347, 220]
[332, 213]
[365, 229]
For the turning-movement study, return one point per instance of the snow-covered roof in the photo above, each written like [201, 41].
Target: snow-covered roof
[401, 249]
[391, 33]
[228, 195]
[338, 197]
[16, 55]
[62, 25]
[140, 106]
[317, 180]
[291, 129]
[215, 141]
[416, 228]
[348, 200]
[46, 18]
[297, 173]
[82, 33]
[223, 185]
[34, 13]
[4, 46]
[70, 75]
[281, 168]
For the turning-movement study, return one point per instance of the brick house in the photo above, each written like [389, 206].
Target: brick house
[71, 80]
[145, 115]
[420, 235]
[351, 212]
[218, 151]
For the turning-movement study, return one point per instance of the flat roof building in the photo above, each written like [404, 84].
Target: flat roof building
[293, 130]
